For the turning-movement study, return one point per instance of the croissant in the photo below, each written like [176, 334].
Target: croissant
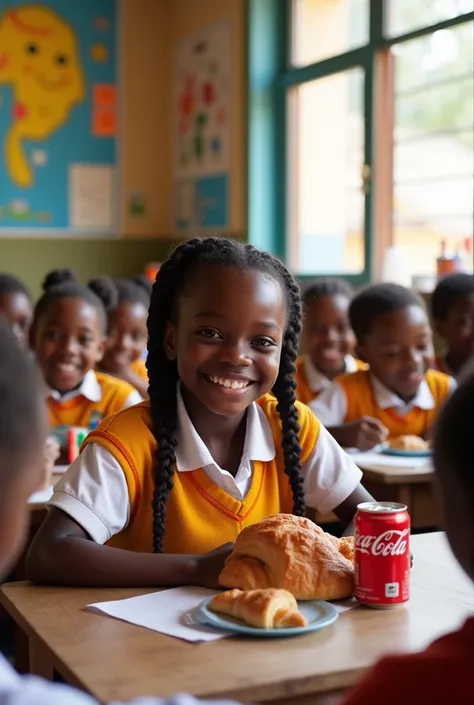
[409, 443]
[267, 609]
[291, 553]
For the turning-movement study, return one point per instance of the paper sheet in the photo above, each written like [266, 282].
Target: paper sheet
[171, 612]
[371, 459]
[91, 196]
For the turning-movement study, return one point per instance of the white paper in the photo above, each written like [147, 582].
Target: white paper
[91, 196]
[41, 496]
[172, 612]
[371, 459]
[168, 611]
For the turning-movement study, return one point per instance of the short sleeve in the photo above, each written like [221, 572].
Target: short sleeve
[94, 493]
[330, 475]
[331, 406]
[133, 398]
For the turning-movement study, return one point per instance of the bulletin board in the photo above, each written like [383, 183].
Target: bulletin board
[58, 116]
[202, 110]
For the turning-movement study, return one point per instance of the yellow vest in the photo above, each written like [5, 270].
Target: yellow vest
[361, 401]
[138, 366]
[304, 393]
[199, 515]
[80, 411]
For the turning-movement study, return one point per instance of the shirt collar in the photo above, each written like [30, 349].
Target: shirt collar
[317, 381]
[387, 399]
[192, 453]
[89, 388]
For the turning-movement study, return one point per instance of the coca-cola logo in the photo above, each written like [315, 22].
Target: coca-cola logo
[389, 543]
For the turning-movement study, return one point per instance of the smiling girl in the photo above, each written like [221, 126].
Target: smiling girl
[161, 491]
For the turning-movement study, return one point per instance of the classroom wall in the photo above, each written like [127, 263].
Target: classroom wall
[186, 17]
[150, 29]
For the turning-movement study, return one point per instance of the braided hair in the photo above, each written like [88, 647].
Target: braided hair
[171, 281]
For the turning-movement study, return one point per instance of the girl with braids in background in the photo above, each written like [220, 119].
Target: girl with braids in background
[160, 491]
[69, 328]
[327, 338]
[127, 313]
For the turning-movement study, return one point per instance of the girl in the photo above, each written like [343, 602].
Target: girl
[127, 331]
[328, 340]
[222, 333]
[69, 340]
[16, 306]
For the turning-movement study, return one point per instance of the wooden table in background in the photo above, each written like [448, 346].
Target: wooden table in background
[115, 660]
[410, 486]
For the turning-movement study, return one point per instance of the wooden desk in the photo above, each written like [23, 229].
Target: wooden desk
[116, 660]
[410, 486]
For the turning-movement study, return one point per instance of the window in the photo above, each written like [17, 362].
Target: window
[361, 132]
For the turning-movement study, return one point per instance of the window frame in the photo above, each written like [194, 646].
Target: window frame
[270, 75]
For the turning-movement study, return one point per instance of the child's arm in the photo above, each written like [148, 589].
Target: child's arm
[331, 409]
[62, 553]
[136, 381]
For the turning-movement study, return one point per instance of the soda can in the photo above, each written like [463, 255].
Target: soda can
[382, 554]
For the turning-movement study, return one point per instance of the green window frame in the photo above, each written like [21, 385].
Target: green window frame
[270, 75]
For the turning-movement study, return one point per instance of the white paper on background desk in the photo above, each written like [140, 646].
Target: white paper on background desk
[171, 612]
[371, 459]
[41, 496]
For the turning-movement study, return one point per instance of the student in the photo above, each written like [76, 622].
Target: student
[20, 474]
[327, 338]
[16, 306]
[452, 308]
[443, 673]
[222, 332]
[69, 340]
[398, 395]
[127, 331]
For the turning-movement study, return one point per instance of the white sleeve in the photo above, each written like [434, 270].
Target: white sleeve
[330, 475]
[94, 492]
[331, 406]
[452, 385]
[133, 398]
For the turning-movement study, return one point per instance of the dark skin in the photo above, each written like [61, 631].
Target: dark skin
[327, 335]
[228, 331]
[68, 341]
[456, 330]
[18, 311]
[126, 340]
[399, 350]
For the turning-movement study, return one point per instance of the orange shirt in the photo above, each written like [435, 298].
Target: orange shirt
[305, 391]
[139, 367]
[441, 675]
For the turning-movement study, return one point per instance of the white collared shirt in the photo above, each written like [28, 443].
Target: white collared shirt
[91, 390]
[94, 490]
[30, 690]
[317, 381]
[331, 406]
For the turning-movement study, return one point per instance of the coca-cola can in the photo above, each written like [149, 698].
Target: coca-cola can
[382, 554]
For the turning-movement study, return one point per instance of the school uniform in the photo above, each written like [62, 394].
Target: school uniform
[30, 690]
[361, 394]
[98, 396]
[440, 675]
[139, 367]
[310, 382]
[108, 490]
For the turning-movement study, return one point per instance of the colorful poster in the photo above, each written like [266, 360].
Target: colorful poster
[58, 75]
[202, 110]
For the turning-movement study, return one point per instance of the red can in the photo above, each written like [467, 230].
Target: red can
[382, 554]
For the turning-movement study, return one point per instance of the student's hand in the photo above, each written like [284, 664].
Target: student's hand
[364, 434]
[210, 565]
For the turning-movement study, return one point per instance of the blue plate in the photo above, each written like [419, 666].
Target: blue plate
[318, 614]
[407, 453]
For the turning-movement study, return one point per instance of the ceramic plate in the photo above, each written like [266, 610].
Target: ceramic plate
[407, 453]
[318, 614]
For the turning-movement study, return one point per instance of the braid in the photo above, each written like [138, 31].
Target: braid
[170, 283]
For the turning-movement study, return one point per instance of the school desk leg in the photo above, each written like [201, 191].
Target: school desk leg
[40, 660]
[21, 657]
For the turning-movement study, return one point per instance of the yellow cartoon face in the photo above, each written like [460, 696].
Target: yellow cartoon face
[39, 56]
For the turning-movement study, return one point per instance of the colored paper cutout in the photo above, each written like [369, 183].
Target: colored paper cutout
[104, 123]
[104, 95]
[99, 53]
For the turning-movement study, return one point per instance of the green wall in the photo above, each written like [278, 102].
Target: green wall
[30, 258]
